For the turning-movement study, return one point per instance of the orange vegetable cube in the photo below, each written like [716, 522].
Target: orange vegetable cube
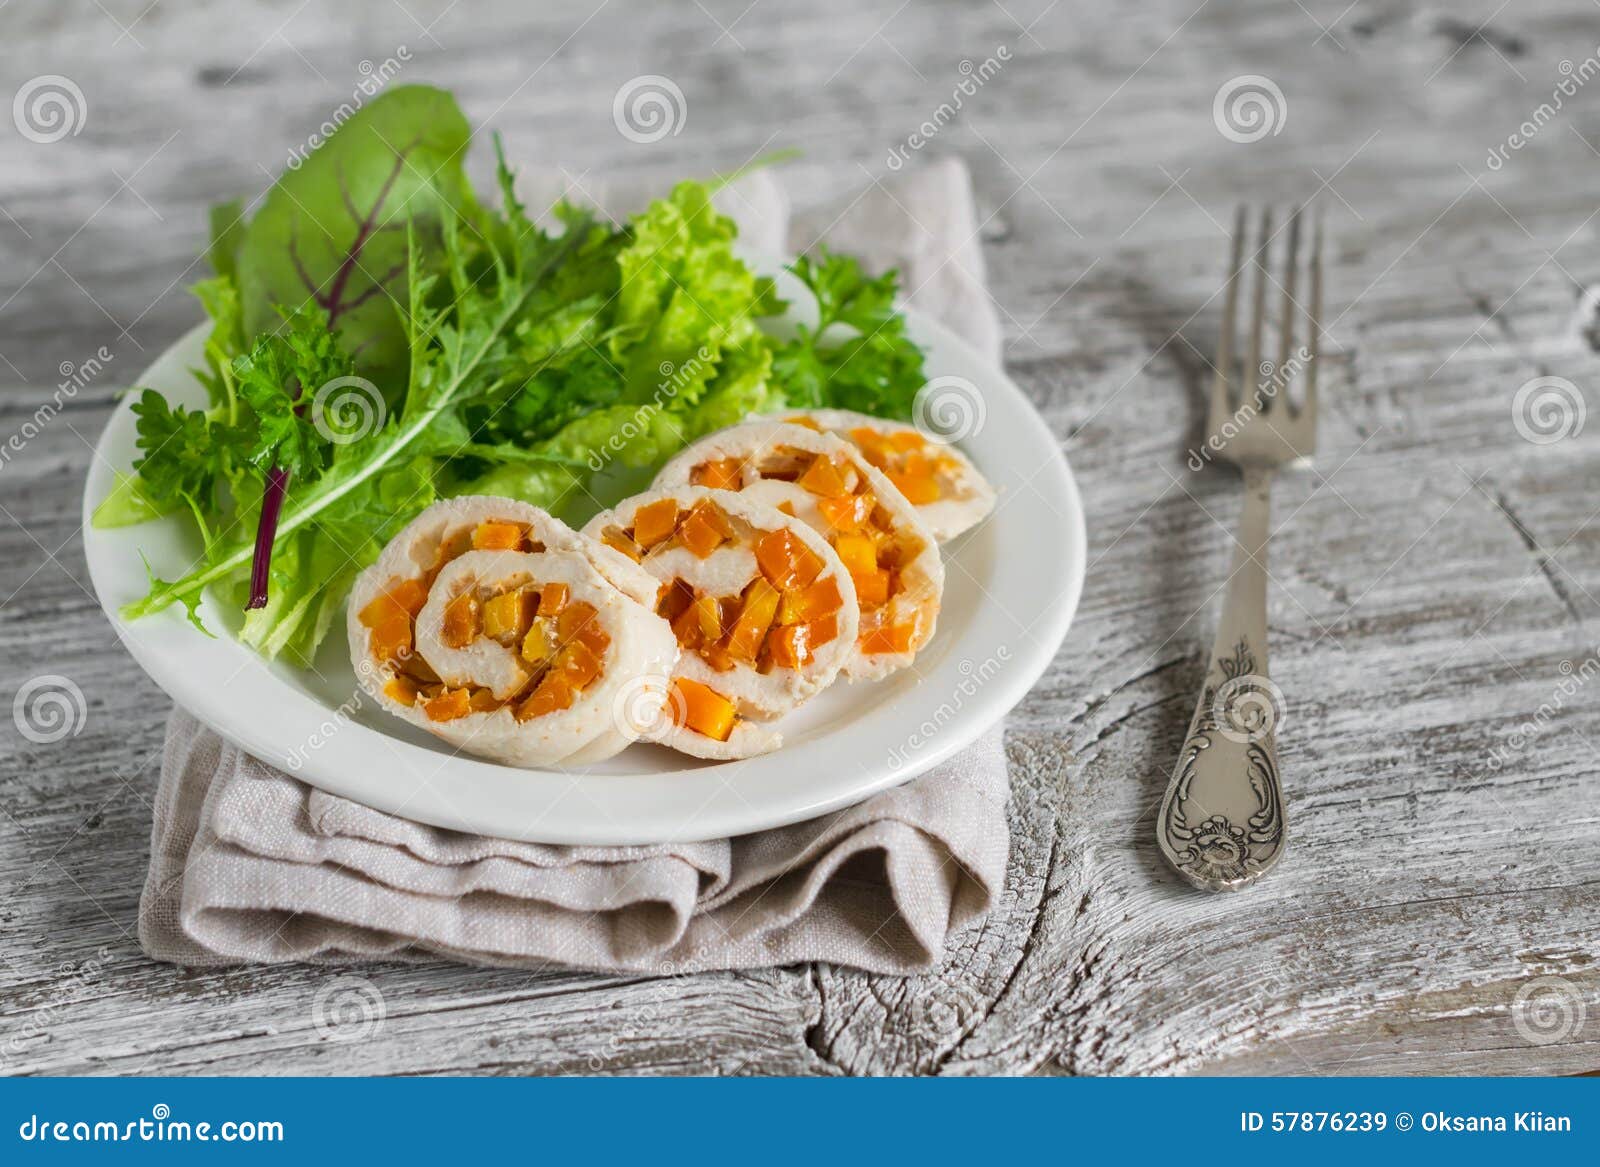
[718, 474]
[873, 589]
[875, 447]
[847, 512]
[919, 489]
[708, 613]
[574, 618]
[822, 477]
[390, 625]
[553, 599]
[802, 605]
[823, 630]
[654, 521]
[760, 606]
[391, 636]
[790, 646]
[859, 553]
[552, 695]
[617, 541]
[508, 616]
[672, 599]
[448, 705]
[460, 627]
[717, 657]
[906, 440]
[483, 701]
[492, 536]
[594, 637]
[402, 689]
[579, 664]
[538, 645]
[686, 627]
[785, 560]
[807, 422]
[895, 638]
[453, 547]
[704, 530]
[409, 595]
[701, 708]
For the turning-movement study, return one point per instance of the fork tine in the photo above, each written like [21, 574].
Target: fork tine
[1252, 365]
[1280, 374]
[1221, 398]
[1314, 321]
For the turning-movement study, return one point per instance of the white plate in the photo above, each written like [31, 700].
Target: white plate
[1011, 587]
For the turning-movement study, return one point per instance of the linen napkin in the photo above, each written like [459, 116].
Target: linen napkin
[250, 865]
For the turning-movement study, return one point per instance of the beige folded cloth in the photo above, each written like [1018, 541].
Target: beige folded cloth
[248, 864]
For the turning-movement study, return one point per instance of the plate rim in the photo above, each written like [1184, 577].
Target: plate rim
[1033, 658]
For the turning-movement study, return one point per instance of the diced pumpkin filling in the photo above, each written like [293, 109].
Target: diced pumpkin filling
[718, 474]
[786, 561]
[860, 530]
[389, 619]
[915, 465]
[448, 704]
[654, 522]
[489, 535]
[492, 536]
[702, 709]
[462, 620]
[560, 639]
[725, 631]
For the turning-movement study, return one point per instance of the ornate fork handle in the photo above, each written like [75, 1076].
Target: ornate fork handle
[1222, 823]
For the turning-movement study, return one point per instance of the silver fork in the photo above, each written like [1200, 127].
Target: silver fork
[1222, 819]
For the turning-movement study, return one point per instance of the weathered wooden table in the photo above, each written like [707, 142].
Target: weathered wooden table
[1433, 613]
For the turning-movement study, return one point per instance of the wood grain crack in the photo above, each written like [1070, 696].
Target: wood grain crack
[1502, 503]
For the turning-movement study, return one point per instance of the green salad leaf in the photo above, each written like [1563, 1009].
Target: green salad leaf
[557, 362]
[858, 356]
[332, 231]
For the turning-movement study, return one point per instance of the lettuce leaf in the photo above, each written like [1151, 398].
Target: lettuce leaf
[332, 232]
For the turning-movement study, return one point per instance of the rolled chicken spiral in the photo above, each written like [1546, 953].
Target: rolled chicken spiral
[948, 492]
[761, 606]
[500, 630]
[889, 554]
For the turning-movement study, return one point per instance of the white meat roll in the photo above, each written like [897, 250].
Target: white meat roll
[530, 657]
[759, 602]
[889, 554]
[950, 495]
